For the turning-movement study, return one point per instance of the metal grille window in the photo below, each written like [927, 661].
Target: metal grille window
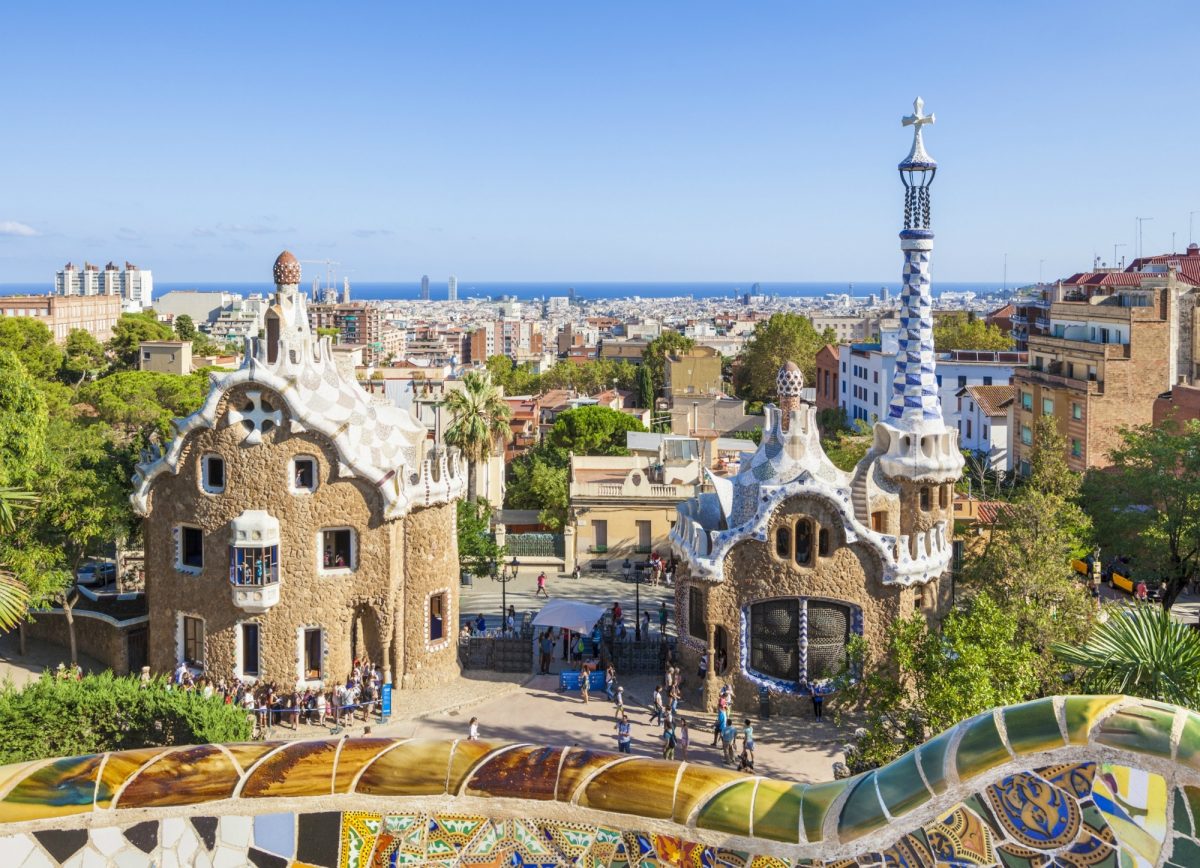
[775, 639]
[798, 640]
[696, 614]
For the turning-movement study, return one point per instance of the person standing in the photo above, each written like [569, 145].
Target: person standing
[541, 586]
[662, 621]
[619, 700]
[747, 747]
[646, 625]
[656, 712]
[565, 634]
[669, 740]
[818, 704]
[585, 676]
[684, 739]
[624, 737]
[473, 729]
[728, 738]
[610, 681]
[547, 648]
[719, 726]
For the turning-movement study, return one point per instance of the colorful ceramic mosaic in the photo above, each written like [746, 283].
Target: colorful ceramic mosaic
[1074, 781]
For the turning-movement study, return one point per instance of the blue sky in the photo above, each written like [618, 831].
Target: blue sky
[590, 141]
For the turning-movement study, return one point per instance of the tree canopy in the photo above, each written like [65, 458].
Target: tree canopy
[784, 337]
[138, 403]
[33, 344]
[1147, 505]
[129, 332]
[963, 330]
[84, 357]
[477, 549]
[654, 358]
[478, 421]
[592, 431]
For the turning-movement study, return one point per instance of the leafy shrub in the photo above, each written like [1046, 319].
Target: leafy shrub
[52, 717]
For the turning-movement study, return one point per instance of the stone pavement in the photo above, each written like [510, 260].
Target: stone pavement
[39, 656]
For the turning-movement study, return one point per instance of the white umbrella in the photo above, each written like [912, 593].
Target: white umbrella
[571, 614]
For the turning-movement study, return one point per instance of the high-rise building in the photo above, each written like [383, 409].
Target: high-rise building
[424, 287]
[453, 285]
[133, 286]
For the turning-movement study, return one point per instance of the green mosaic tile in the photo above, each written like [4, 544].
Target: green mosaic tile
[777, 811]
[1184, 851]
[981, 747]
[65, 786]
[1032, 726]
[862, 812]
[932, 757]
[813, 809]
[900, 785]
[1180, 821]
[729, 810]
[1188, 750]
[1144, 728]
[1081, 713]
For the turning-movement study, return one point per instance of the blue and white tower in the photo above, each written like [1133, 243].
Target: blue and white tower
[917, 442]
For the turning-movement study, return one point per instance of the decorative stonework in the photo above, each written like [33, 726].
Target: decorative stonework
[287, 270]
[1070, 781]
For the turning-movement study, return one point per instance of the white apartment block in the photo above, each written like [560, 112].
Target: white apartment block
[134, 286]
[866, 376]
[983, 422]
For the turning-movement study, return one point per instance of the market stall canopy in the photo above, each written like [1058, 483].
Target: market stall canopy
[570, 614]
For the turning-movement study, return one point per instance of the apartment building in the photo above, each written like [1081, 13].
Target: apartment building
[828, 372]
[1100, 366]
[133, 285]
[518, 339]
[95, 314]
[983, 423]
[165, 357]
[357, 322]
[695, 372]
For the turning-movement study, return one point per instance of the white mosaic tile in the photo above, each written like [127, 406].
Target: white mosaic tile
[108, 840]
[230, 857]
[132, 857]
[38, 859]
[92, 859]
[235, 831]
[15, 848]
[169, 860]
[170, 831]
[187, 844]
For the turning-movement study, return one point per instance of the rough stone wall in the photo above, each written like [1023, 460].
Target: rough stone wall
[851, 574]
[93, 637]
[257, 477]
[914, 519]
[430, 567]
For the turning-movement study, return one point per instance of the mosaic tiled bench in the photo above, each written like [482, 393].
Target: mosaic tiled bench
[1072, 781]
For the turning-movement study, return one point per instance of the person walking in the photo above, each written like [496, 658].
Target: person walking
[624, 737]
[662, 621]
[646, 625]
[656, 712]
[610, 681]
[619, 700]
[719, 726]
[473, 729]
[584, 677]
[541, 586]
[547, 648]
[728, 738]
[684, 738]
[818, 704]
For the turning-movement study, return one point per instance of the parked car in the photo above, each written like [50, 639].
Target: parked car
[97, 573]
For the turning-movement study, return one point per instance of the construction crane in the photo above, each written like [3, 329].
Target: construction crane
[328, 263]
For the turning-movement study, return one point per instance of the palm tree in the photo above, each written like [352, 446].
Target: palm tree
[479, 420]
[14, 595]
[1142, 651]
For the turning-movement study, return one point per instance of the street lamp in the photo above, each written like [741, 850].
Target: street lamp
[637, 606]
[504, 578]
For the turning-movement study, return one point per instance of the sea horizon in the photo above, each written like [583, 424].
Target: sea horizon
[532, 290]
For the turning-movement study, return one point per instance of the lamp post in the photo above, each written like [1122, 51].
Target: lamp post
[504, 578]
[637, 606]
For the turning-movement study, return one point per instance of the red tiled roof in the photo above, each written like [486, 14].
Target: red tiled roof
[992, 399]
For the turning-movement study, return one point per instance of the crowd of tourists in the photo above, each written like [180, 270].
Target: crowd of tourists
[335, 704]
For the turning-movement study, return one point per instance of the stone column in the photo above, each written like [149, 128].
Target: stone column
[711, 688]
[569, 556]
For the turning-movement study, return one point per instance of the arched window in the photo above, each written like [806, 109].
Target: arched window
[798, 639]
[783, 542]
[823, 546]
[775, 639]
[925, 498]
[944, 496]
[804, 542]
[828, 632]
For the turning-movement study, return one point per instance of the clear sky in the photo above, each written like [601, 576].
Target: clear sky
[590, 141]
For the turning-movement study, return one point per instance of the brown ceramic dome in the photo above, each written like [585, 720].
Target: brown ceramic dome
[287, 270]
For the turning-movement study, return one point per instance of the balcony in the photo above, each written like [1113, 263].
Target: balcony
[255, 599]
[1047, 378]
[653, 491]
[254, 561]
[1042, 323]
[1018, 319]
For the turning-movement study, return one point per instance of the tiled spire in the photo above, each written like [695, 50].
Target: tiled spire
[915, 400]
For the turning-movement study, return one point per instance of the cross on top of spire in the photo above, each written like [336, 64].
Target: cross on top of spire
[918, 157]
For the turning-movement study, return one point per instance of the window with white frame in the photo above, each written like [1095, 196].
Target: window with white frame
[437, 617]
[189, 549]
[312, 653]
[191, 640]
[337, 549]
[304, 474]
[212, 473]
[250, 649]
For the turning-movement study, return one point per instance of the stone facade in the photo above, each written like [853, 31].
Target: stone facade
[317, 510]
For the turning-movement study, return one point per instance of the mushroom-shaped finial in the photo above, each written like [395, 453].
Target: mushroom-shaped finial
[287, 270]
[790, 382]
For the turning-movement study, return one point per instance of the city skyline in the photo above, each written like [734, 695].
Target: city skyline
[675, 143]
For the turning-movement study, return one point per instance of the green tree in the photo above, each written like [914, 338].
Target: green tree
[23, 423]
[54, 717]
[33, 344]
[14, 594]
[479, 421]
[331, 333]
[645, 388]
[84, 357]
[1025, 563]
[129, 332]
[592, 430]
[1142, 651]
[140, 403]
[185, 327]
[927, 680]
[1148, 503]
[784, 337]
[963, 330]
[477, 549]
[538, 480]
[655, 356]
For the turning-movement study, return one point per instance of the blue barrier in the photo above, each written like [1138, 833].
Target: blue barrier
[569, 680]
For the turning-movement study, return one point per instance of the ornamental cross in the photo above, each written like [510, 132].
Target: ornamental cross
[916, 119]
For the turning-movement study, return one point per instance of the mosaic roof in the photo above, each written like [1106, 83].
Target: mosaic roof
[1074, 781]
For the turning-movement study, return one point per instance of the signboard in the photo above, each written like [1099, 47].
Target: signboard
[386, 701]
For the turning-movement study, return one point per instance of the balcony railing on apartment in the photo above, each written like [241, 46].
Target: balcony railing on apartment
[617, 489]
[1018, 319]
